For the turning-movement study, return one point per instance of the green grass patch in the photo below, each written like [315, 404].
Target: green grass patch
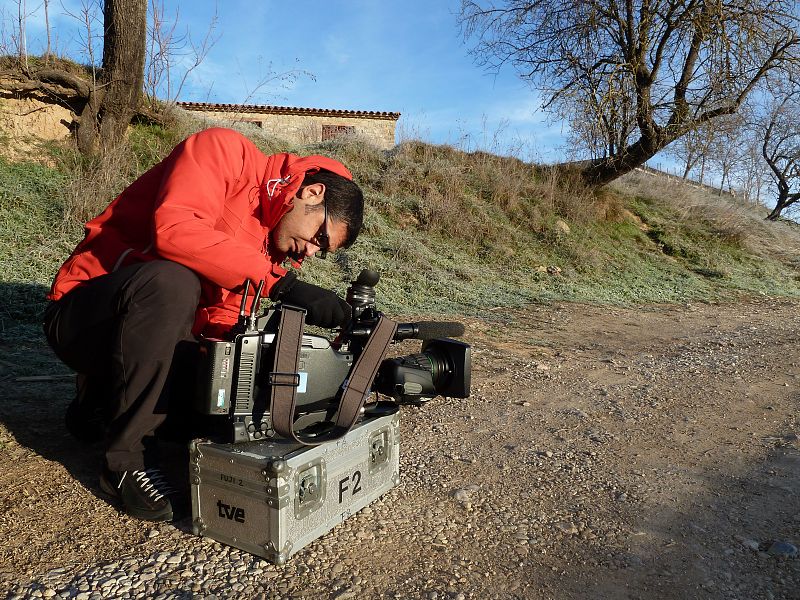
[32, 243]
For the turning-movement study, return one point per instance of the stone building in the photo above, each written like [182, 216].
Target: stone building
[304, 125]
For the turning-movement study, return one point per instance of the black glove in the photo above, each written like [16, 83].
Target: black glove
[323, 307]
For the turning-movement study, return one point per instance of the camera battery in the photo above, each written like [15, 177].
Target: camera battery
[273, 497]
[215, 374]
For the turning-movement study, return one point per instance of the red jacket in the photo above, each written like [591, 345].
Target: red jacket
[210, 206]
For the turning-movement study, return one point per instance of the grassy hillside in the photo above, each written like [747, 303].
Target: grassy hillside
[451, 232]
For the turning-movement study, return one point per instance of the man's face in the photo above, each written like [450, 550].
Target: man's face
[298, 233]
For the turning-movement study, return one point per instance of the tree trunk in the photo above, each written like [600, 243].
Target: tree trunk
[687, 169]
[779, 206]
[113, 104]
[47, 30]
[784, 201]
[87, 131]
[603, 171]
[703, 170]
[22, 50]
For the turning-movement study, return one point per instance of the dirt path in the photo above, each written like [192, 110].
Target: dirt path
[604, 453]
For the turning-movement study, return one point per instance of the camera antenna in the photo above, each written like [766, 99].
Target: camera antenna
[254, 306]
[243, 305]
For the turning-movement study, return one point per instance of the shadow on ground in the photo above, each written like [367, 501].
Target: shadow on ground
[37, 388]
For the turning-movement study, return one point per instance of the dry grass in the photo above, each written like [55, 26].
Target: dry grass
[728, 218]
[483, 198]
[34, 63]
[477, 199]
[450, 231]
[92, 183]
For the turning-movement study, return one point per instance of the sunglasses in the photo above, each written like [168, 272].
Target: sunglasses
[322, 240]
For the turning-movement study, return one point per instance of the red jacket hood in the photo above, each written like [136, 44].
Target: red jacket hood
[283, 178]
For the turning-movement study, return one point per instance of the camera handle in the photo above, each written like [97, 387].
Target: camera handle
[356, 389]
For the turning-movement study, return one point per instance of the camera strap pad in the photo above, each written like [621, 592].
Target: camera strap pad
[356, 387]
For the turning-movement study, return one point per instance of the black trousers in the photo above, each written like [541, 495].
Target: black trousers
[122, 330]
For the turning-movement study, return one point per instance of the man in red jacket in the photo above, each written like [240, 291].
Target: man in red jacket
[166, 262]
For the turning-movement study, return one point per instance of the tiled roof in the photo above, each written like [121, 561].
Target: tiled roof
[286, 110]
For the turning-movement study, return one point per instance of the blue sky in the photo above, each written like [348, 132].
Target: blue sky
[407, 57]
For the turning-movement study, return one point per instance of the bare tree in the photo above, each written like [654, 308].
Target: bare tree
[22, 17]
[752, 175]
[659, 67]
[173, 56]
[48, 50]
[606, 121]
[692, 150]
[14, 33]
[21, 37]
[727, 147]
[781, 148]
[107, 103]
[115, 100]
[160, 42]
[269, 80]
[87, 15]
[5, 39]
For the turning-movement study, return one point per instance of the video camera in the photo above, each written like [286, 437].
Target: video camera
[235, 376]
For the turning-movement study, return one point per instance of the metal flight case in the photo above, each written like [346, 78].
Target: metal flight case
[273, 497]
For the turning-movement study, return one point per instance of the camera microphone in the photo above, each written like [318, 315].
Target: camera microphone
[428, 330]
[368, 278]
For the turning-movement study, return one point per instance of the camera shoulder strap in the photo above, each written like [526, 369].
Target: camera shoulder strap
[358, 385]
[356, 389]
[284, 376]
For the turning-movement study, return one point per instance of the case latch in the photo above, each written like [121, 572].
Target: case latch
[379, 449]
[309, 488]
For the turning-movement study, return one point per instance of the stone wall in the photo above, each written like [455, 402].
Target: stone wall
[313, 128]
[28, 121]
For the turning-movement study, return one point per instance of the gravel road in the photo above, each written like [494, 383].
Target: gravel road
[605, 452]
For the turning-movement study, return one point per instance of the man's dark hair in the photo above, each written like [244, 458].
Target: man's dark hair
[344, 199]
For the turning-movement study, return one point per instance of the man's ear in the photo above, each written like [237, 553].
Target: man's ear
[312, 190]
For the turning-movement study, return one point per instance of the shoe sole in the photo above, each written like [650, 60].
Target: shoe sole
[111, 491]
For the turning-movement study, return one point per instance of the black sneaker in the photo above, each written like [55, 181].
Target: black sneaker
[144, 494]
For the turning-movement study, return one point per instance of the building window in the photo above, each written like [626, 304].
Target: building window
[255, 122]
[331, 131]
